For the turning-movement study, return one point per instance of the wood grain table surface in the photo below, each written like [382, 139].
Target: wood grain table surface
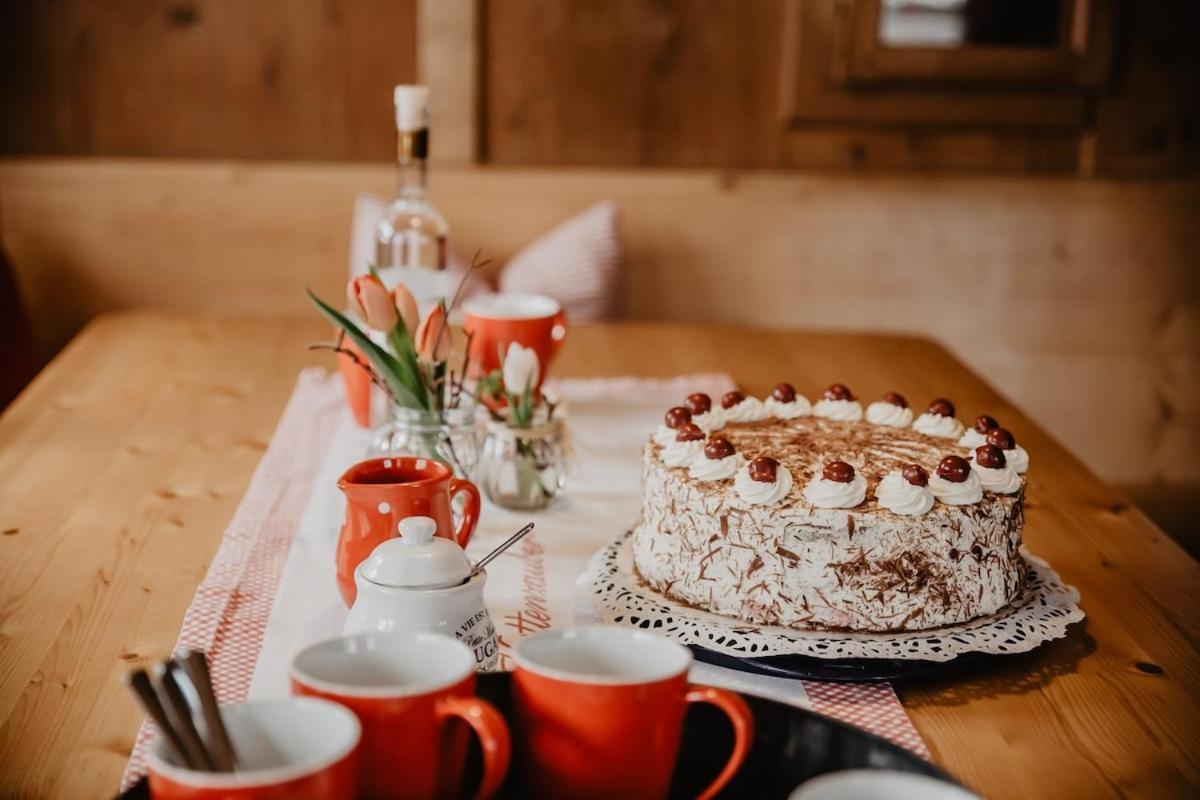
[124, 461]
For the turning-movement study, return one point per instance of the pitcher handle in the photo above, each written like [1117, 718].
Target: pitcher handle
[743, 731]
[470, 514]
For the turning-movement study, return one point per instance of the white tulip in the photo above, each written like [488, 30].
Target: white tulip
[521, 369]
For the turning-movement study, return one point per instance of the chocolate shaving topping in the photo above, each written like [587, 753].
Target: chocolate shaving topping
[915, 474]
[838, 471]
[677, 416]
[699, 403]
[731, 399]
[954, 469]
[984, 423]
[784, 393]
[689, 432]
[990, 456]
[942, 407]
[1002, 438]
[896, 399]
[718, 447]
[837, 391]
[764, 469]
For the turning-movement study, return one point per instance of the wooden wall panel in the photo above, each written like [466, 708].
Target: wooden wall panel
[632, 82]
[276, 79]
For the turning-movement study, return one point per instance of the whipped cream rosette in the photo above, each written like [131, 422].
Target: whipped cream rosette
[737, 407]
[838, 486]
[906, 491]
[686, 447]
[892, 411]
[955, 483]
[838, 402]
[718, 462]
[764, 482]
[938, 420]
[784, 403]
[704, 413]
[1014, 454]
[976, 435]
[995, 475]
[672, 420]
[971, 439]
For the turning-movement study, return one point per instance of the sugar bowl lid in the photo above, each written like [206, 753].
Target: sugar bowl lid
[417, 558]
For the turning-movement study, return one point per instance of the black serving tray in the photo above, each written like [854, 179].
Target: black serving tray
[791, 745]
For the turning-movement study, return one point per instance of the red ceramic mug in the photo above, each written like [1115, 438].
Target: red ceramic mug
[294, 749]
[496, 320]
[599, 713]
[382, 491]
[406, 688]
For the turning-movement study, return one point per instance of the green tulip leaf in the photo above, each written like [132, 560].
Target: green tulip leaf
[403, 381]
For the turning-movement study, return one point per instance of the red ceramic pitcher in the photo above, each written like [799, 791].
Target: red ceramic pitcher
[382, 491]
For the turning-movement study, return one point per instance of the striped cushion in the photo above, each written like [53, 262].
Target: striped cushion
[578, 263]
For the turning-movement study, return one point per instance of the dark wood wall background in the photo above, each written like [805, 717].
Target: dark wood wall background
[713, 83]
[254, 79]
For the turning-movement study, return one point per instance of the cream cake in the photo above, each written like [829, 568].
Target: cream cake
[830, 516]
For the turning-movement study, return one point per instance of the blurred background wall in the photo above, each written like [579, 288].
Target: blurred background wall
[1015, 179]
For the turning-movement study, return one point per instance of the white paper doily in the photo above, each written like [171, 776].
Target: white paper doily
[1041, 614]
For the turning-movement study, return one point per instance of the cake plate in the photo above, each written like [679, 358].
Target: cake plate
[1043, 613]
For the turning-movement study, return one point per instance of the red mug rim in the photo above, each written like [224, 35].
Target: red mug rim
[526, 663]
[257, 778]
[336, 688]
[382, 463]
[471, 307]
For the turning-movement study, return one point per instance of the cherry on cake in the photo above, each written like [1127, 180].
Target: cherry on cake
[822, 516]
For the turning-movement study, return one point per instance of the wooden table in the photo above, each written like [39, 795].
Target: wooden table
[124, 461]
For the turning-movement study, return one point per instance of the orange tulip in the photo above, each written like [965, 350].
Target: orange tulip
[406, 304]
[433, 339]
[371, 302]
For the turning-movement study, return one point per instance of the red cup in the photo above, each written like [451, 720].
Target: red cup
[294, 749]
[407, 690]
[496, 320]
[382, 491]
[599, 713]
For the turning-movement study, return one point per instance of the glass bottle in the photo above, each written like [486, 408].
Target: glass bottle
[410, 242]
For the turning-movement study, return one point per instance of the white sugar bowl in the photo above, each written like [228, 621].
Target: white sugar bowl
[423, 582]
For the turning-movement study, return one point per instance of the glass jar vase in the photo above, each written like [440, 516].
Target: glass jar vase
[523, 469]
[451, 437]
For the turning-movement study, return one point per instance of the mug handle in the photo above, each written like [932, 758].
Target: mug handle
[470, 511]
[492, 731]
[743, 731]
[558, 325]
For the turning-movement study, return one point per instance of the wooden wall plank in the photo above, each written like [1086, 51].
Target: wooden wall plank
[680, 83]
[275, 79]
